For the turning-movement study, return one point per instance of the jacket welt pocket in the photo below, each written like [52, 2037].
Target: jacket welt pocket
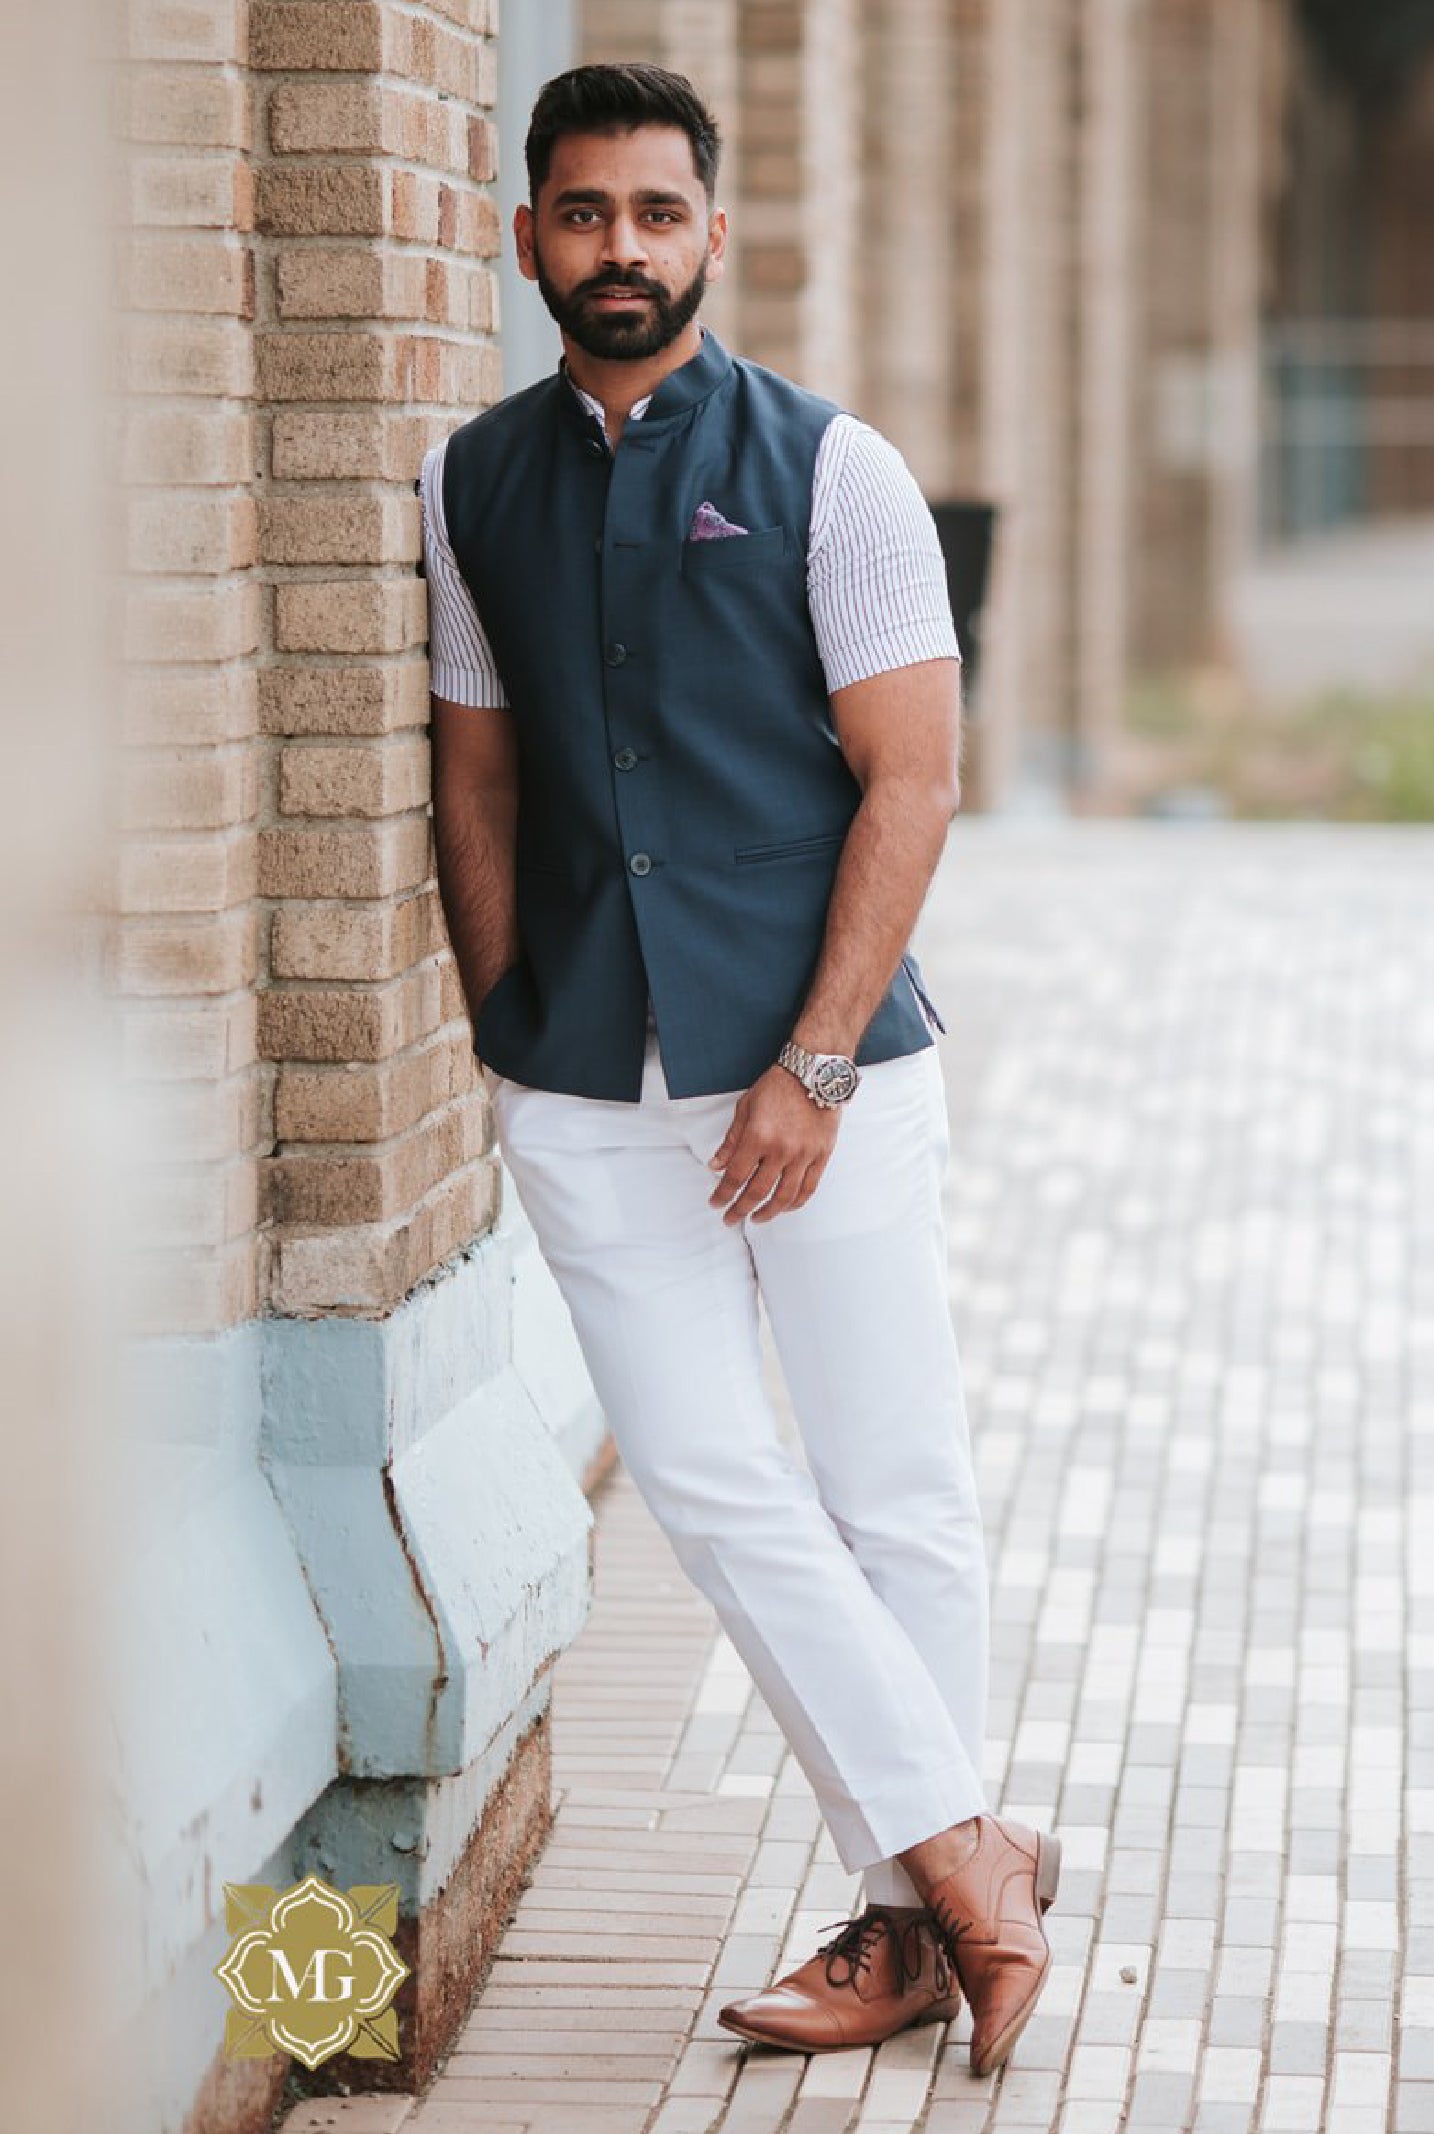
[734, 551]
[789, 848]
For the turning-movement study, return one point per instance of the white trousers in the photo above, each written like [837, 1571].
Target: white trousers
[856, 1593]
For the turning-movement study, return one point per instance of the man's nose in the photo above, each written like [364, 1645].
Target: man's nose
[625, 245]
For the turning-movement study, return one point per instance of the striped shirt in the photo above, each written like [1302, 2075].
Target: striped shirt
[876, 577]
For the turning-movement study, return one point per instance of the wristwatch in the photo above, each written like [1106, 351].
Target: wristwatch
[829, 1078]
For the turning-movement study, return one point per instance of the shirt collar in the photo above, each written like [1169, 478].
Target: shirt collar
[690, 382]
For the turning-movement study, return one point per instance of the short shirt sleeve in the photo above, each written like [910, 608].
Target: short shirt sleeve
[461, 664]
[876, 574]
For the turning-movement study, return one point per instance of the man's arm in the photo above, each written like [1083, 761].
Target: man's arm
[881, 613]
[475, 819]
[901, 734]
[475, 764]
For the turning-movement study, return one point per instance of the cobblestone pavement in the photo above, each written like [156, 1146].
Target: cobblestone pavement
[1191, 1072]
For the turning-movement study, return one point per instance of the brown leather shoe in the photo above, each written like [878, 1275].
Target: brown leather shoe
[990, 1912]
[884, 1971]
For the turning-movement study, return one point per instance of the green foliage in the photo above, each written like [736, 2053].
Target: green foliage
[1343, 756]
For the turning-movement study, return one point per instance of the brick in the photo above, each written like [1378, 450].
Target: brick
[212, 192]
[218, 623]
[188, 874]
[386, 698]
[199, 534]
[317, 446]
[374, 1187]
[162, 708]
[184, 29]
[202, 955]
[189, 789]
[186, 446]
[321, 200]
[368, 1102]
[205, 1039]
[186, 356]
[324, 283]
[340, 527]
[380, 859]
[307, 118]
[206, 274]
[188, 107]
[371, 1268]
[327, 36]
[331, 940]
[324, 366]
[369, 615]
[385, 778]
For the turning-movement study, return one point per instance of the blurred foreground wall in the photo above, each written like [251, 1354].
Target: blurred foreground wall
[271, 1329]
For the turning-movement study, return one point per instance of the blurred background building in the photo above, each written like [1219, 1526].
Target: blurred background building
[1150, 279]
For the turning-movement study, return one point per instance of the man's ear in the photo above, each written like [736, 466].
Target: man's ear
[523, 240]
[716, 244]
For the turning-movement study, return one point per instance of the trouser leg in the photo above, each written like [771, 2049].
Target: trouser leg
[855, 1285]
[663, 1297]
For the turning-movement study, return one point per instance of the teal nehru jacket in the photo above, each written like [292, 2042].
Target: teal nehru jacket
[682, 800]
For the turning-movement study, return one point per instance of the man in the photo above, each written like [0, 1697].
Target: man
[696, 743]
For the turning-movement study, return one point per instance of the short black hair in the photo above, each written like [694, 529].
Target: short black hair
[614, 97]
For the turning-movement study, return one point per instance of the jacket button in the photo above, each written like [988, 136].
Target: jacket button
[640, 863]
[615, 655]
[625, 758]
[594, 449]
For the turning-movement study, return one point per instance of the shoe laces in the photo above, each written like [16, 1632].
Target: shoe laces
[855, 1939]
[948, 1930]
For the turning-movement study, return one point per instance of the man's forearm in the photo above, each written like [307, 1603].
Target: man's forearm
[891, 852]
[474, 846]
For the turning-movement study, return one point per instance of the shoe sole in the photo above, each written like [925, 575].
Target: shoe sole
[1048, 1875]
[938, 2012]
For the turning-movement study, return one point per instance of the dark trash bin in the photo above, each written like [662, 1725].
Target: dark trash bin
[967, 531]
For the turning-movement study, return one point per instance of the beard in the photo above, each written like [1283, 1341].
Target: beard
[621, 337]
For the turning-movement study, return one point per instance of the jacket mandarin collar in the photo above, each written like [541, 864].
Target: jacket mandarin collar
[683, 388]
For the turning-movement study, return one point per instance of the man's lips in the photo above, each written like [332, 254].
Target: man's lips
[620, 296]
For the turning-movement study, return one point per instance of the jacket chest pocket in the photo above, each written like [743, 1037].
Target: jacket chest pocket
[731, 553]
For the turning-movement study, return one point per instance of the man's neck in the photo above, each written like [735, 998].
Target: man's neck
[619, 386]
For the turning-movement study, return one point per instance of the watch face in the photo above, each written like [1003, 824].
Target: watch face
[834, 1079]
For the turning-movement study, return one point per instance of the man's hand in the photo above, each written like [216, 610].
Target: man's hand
[775, 1150]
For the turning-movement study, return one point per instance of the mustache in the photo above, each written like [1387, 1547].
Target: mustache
[613, 284]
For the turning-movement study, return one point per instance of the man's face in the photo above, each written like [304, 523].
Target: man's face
[622, 243]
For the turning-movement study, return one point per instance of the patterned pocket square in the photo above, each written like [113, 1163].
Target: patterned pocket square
[708, 524]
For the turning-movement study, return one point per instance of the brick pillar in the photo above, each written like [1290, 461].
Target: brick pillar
[1029, 294]
[1101, 551]
[910, 251]
[350, 1460]
[800, 190]
[1199, 200]
[375, 309]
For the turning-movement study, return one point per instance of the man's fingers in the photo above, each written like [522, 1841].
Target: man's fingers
[722, 1154]
[795, 1190]
[755, 1191]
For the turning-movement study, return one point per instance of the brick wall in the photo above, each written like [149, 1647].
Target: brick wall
[310, 291]
[188, 952]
